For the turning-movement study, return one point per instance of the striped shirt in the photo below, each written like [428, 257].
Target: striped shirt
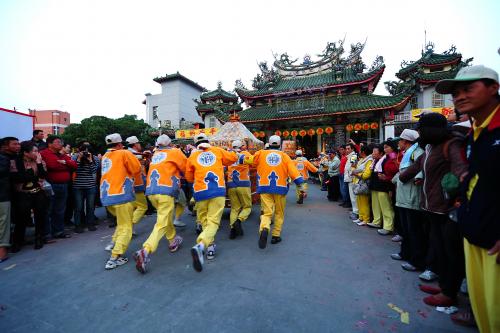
[85, 175]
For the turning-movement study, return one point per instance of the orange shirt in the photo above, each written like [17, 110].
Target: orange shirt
[165, 172]
[273, 169]
[205, 169]
[304, 167]
[118, 170]
[238, 175]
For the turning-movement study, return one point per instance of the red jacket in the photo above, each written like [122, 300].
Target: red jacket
[58, 173]
[343, 161]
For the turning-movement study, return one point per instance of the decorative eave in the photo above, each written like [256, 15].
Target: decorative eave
[323, 82]
[435, 60]
[432, 78]
[339, 105]
[178, 76]
[204, 109]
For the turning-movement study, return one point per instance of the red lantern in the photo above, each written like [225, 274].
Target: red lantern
[286, 133]
[357, 127]
[366, 126]
[294, 133]
[277, 132]
[328, 130]
[320, 131]
[302, 133]
[374, 126]
[349, 127]
[311, 132]
[262, 134]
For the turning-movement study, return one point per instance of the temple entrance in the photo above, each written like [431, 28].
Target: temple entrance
[359, 136]
[309, 145]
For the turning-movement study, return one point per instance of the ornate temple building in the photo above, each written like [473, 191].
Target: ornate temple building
[215, 102]
[317, 103]
[420, 77]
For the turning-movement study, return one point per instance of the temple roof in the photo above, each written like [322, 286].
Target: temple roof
[314, 83]
[219, 93]
[331, 106]
[178, 76]
[429, 59]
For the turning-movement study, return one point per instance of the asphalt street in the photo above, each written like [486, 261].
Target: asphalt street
[327, 275]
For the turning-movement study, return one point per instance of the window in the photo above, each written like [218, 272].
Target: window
[437, 100]
[56, 130]
[211, 122]
[414, 103]
[155, 112]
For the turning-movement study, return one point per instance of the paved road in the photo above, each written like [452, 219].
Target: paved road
[328, 275]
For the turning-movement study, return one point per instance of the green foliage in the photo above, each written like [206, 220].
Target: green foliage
[95, 129]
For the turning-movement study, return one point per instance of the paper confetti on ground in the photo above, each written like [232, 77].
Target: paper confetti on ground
[404, 316]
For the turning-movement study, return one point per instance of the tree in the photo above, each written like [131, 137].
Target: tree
[94, 129]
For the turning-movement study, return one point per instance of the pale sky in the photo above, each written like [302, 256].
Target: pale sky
[99, 57]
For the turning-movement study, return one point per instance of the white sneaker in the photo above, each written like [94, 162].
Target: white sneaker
[113, 263]
[361, 223]
[356, 221]
[179, 223]
[197, 255]
[397, 238]
[211, 252]
[109, 247]
[428, 275]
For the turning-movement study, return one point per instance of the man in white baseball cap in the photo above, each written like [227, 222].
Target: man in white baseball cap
[304, 167]
[119, 168]
[475, 93]
[238, 191]
[140, 203]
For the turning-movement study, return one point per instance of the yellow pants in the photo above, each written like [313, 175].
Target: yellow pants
[272, 203]
[140, 207]
[382, 209]
[483, 283]
[300, 188]
[164, 226]
[209, 212]
[179, 209]
[123, 231]
[241, 203]
[363, 201]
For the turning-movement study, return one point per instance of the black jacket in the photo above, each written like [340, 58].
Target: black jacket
[5, 177]
[479, 217]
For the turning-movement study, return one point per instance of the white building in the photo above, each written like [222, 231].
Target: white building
[174, 107]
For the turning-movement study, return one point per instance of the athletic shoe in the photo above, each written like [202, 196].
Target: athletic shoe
[263, 238]
[397, 238]
[238, 228]
[408, 267]
[396, 256]
[373, 225]
[465, 318]
[275, 239]
[232, 233]
[428, 275]
[361, 223]
[211, 252]
[112, 263]
[383, 232]
[179, 224]
[356, 221]
[141, 259]
[353, 216]
[175, 243]
[301, 199]
[199, 229]
[197, 255]
[109, 247]
[429, 289]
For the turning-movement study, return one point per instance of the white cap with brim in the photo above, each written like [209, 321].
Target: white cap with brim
[274, 140]
[200, 137]
[466, 74]
[237, 144]
[113, 138]
[298, 152]
[163, 140]
[409, 135]
[132, 140]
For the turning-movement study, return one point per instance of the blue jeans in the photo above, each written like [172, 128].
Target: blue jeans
[86, 195]
[54, 224]
[343, 193]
